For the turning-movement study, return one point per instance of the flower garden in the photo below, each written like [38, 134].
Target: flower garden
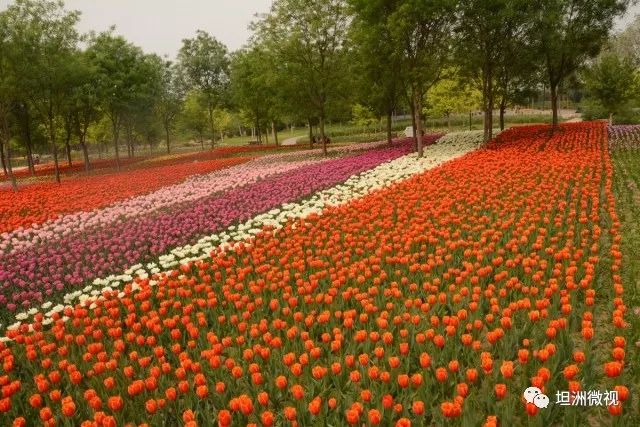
[367, 287]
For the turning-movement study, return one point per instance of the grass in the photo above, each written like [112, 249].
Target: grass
[626, 188]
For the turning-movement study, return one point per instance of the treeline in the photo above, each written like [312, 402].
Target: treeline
[308, 61]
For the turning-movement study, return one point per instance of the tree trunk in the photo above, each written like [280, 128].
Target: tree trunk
[213, 126]
[258, 132]
[67, 146]
[418, 108]
[449, 122]
[12, 177]
[85, 154]
[503, 107]
[202, 141]
[470, 120]
[413, 122]
[25, 124]
[310, 134]
[166, 132]
[54, 146]
[610, 119]
[554, 104]
[389, 136]
[2, 160]
[322, 135]
[266, 135]
[274, 132]
[115, 135]
[488, 108]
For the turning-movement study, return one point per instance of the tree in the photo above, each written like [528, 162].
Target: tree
[423, 29]
[484, 29]
[205, 62]
[612, 82]
[118, 75]
[308, 37]
[626, 44]
[378, 62]
[569, 32]
[452, 95]
[363, 117]
[43, 35]
[170, 99]
[194, 118]
[83, 105]
[255, 85]
[6, 100]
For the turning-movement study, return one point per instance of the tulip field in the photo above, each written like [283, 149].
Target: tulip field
[366, 287]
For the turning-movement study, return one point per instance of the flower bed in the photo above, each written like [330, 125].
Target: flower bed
[37, 203]
[29, 276]
[436, 299]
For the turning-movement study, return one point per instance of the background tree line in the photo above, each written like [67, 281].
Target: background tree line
[308, 62]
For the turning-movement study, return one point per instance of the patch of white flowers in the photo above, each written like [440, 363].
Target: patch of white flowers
[447, 148]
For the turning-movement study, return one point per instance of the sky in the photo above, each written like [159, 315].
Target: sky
[158, 26]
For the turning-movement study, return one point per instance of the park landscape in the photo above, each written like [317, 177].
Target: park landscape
[251, 238]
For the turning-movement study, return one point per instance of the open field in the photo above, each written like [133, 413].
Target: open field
[366, 287]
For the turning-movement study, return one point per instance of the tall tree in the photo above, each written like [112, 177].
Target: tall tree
[254, 85]
[119, 74]
[569, 32]
[194, 118]
[83, 106]
[44, 36]
[423, 30]
[170, 99]
[6, 101]
[612, 82]
[309, 37]
[205, 62]
[483, 29]
[378, 62]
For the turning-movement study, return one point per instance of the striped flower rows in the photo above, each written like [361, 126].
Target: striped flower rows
[356, 186]
[438, 298]
[35, 273]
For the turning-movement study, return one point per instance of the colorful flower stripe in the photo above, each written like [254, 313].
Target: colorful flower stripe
[624, 136]
[193, 188]
[27, 277]
[38, 203]
[425, 301]
[99, 165]
[359, 185]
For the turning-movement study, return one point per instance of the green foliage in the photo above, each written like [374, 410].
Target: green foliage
[255, 84]
[363, 117]
[193, 118]
[308, 38]
[205, 63]
[611, 83]
[452, 95]
[571, 31]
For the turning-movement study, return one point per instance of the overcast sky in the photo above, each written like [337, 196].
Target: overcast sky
[160, 25]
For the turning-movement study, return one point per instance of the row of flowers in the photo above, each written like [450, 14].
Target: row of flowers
[439, 297]
[624, 136]
[38, 203]
[193, 188]
[37, 273]
[106, 165]
[388, 173]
